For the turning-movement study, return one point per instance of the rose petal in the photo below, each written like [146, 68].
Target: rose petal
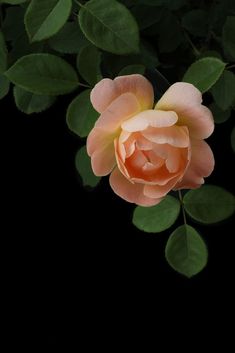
[122, 108]
[103, 160]
[152, 176]
[179, 95]
[143, 144]
[177, 136]
[120, 160]
[122, 151]
[154, 158]
[131, 192]
[97, 139]
[130, 145]
[136, 166]
[100, 148]
[139, 86]
[153, 118]
[159, 191]
[150, 167]
[185, 100]
[161, 150]
[135, 163]
[162, 176]
[124, 135]
[199, 121]
[107, 90]
[103, 94]
[176, 158]
[201, 165]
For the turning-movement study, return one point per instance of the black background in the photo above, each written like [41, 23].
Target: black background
[75, 257]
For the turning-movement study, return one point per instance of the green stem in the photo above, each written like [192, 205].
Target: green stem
[182, 206]
[1, 16]
[78, 3]
[232, 66]
[216, 38]
[83, 85]
[195, 50]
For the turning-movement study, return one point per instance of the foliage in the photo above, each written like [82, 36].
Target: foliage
[56, 47]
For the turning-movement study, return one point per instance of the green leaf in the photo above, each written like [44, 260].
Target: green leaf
[29, 103]
[4, 82]
[211, 53]
[159, 82]
[13, 24]
[88, 64]
[169, 33]
[204, 73]
[220, 116]
[3, 54]
[217, 15]
[14, 31]
[209, 204]
[196, 22]
[228, 37]
[145, 16]
[157, 218]
[174, 5]
[132, 69]
[81, 116]
[4, 86]
[152, 2]
[83, 166]
[69, 39]
[128, 3]
[148, 55]
[223, 91]
[43, 74]
[13, 2]
[110, 26]
[113, 64]
[22, 47]
[233, 139]
[186, 251]
[44, 18]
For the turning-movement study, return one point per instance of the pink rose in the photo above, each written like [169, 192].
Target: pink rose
[149, 151]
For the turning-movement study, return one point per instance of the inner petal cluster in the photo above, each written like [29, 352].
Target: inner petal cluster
[152, 155]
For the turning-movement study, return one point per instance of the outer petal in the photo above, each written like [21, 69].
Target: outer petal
[185, 100]
[153, 118]
[129, 191]
[159, 191]
[138, 85]
[103, 94]
[122, 108]
[179, 95]
[96, 139]
[107, 90]
[199, 121]
[103, 161]
[100, 147]
[201, 165]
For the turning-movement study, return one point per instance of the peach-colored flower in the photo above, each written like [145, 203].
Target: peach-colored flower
[149, 151]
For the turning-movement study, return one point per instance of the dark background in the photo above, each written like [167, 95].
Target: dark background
[75, 258]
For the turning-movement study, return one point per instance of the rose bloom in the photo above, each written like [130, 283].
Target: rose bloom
[149, 150]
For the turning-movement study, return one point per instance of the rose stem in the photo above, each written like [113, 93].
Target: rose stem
[182, 206]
